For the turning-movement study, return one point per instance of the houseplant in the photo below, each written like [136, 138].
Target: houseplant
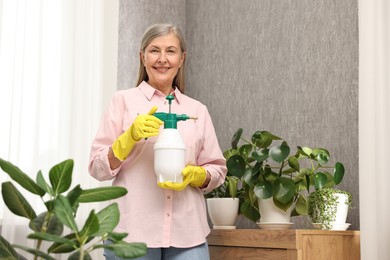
[271, 172]
[223, 203]
[61, 209]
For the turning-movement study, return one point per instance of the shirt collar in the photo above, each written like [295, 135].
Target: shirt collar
[149, 91]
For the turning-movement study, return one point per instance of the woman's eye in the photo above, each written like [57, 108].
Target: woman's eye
[154, 50]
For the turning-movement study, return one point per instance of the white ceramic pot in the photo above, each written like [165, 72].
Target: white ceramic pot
[223, 212]
[269, 213]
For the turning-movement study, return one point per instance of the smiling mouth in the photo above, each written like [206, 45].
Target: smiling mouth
[161, 69]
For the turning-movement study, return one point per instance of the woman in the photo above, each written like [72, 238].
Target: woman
[170, 218]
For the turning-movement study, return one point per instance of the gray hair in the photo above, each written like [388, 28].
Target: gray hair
[150, 34]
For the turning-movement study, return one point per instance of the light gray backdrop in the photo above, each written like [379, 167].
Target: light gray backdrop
[290, 67]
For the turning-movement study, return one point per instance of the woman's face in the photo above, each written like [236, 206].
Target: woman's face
[162, 59]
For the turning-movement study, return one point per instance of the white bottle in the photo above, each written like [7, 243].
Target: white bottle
[169, 156]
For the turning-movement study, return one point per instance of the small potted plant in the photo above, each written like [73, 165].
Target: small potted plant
[223, 203]
[276, 180]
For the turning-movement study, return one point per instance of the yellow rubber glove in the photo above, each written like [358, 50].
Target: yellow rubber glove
[144, 126]
[193, 175]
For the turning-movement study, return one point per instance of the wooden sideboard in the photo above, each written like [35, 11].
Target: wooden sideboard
[291, 244]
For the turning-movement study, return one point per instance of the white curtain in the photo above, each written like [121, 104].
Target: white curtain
[374, 128]
[58, 69]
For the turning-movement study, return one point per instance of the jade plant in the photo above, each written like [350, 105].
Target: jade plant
[60, 211]
[270, 170]
[323, 206]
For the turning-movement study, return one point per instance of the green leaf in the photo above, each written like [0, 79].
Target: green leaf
[58, 247]
[294, 163]
[236, 138]
[283, 206]
[284, 190]
[73, 195]
[263, 190]
[305, 151]
[117, 236]
[261, 155]
[245, 150]
[6, 250]
[262, 139]
[54, 225]
[64, 212]
[279, 153]
[108, 219]
[76, 256]
[302, 206]
[15, 201]
[60, 176]
[125, 250]
[232, 186]
[338, 173]
[101, 194]
[229, 153]
[249, 211]
[21, 178]
[236, 165]
[322, 157]
[91, 225]
[43, 184]
[249, 177]
[320, 180]
[35, 252]
[50, 237]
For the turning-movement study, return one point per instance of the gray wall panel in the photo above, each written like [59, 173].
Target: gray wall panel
[290, 67]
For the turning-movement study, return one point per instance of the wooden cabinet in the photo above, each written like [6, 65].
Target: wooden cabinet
[291, 244]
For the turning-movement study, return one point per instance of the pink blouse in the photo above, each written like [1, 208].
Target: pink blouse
[150, 214]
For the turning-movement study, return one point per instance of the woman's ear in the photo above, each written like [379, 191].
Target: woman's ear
[142, 57]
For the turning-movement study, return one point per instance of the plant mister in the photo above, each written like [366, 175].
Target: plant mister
[170, 150]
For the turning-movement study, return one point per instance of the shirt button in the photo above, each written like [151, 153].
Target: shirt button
[169, 196]
[168, 214]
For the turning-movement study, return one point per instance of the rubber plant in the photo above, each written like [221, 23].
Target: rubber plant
[60, 211]
[270, 170]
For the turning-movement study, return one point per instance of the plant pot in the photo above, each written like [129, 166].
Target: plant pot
[272, 217]
[330, 211]
[223, 212]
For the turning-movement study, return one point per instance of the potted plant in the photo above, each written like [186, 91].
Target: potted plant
[48, 226]
[223, 203]
[274, 175]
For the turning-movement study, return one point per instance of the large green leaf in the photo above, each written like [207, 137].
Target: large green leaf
[58, 247]
[263, 190]
[261, 155]
[16, 202]
[54, 225]
[320, 180]
[21, 178]
[284, 190]
[294, 163]
[64, 212]
[43, 184]
[76, 256]
[338, 173]
[108, 219]
[279, 153]
[302, 206]
[35, 252]
[236, 138]
[125, 250]
[262, 139]
[236, 165]
[101, 194]
[245, 150]
[73, 195]
[50, 237]
[91, 225]
[249, 211]
[60, 176]
[6, 250]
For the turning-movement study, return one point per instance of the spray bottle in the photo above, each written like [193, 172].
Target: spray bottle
[169, 150]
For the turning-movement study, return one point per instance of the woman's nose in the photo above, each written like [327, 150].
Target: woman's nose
[162, 59]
